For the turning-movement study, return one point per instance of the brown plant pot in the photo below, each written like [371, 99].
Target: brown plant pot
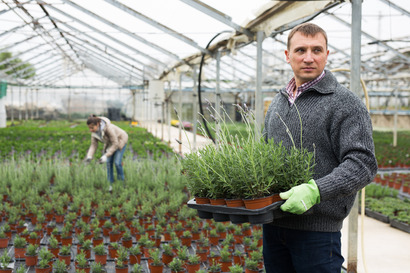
[225, 266]
[234, 203]
[19, 253]
[166, 259]
[98, 241]
[113, 252]
[247, 270]
[257, 203]
[186, 241]
[156, 268]
[202, 200]
[192, 268]
[114, 237]
[214, 240]
[102, 259]
[86, 269]
[217, 202]
[4, 242]
[65, 258]
[121, 269]
[31, 260]
[239, 260]
[127, 243]
[54, 251]
[135, 259]
[43, 270]
[6, 270]
[66, 241]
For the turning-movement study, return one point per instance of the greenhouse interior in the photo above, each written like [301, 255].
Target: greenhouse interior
[179, 93]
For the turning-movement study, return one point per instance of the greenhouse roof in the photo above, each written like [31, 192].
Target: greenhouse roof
[125, 43]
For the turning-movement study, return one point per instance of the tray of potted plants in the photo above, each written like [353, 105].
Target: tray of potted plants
[237, 215]
[240, 178]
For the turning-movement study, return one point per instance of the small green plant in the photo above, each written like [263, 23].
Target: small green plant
[31, 250]
[155, 254]
[194, 259]
[53, 242]
[97, 268]
[43, 263]
[236, 269]
[45, 254]
[122, 254]
[19, 242]
[100, 249]
[215, 267]
[59, 266]
[176, 265]
[135, 250]
[5, 260]
[182, 253]
[137, 268]
[167, 249]
[251, 264]
[21, 269]
[81, 260]
[65, 250]
[225, 254]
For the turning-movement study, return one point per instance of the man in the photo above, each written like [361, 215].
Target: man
[335, 126]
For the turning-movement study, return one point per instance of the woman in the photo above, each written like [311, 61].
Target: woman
[114, 139]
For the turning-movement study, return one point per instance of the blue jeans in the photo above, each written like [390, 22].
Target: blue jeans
[288, 250]
[115, 159]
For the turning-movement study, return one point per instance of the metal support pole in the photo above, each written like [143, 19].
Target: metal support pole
[396, 102]
[12, 106]
[180, 111]
[218, 96]
[195, 108]
[356, 88]
[37, 115]
[169, 113]
[258, 92]
[20, 103]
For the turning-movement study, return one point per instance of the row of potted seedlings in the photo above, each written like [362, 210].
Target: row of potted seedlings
[398, 181]
[187, 243]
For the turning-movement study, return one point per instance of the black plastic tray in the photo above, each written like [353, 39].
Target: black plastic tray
[237, 215]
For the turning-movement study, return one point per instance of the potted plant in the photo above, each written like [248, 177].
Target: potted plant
[127, 239]
[193, 264]
[176, 265]
[5, 261]
[19, 246]
[156, 265]
[214, 267]
[82, 262]
[238, 257]
[167, 254]
[251, 266]
[65, 254]
[100, 254]
[43, 266]
[53, 246]
[31, 255]
[97, 236]
[60, 267]
[135, 254]
[113, 249]
[4, 239]
[226, 259]
[186, 238]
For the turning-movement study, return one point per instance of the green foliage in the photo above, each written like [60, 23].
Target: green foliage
[5, 260]
[245, 166]
[176, 265]
[16, 67]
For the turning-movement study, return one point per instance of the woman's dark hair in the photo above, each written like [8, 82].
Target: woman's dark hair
[93, 119]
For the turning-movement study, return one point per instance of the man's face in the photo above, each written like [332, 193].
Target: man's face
[307, 55]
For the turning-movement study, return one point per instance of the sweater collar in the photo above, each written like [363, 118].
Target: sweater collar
[327, 85]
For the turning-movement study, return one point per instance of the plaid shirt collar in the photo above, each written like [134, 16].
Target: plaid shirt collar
[292, 85]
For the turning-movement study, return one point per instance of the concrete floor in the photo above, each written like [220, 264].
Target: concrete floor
[386, 249]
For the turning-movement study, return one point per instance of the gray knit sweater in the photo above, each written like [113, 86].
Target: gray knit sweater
[337, 126]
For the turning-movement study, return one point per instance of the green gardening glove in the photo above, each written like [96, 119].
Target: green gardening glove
[300, 198]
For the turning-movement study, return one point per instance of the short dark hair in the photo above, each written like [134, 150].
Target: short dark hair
[307, 29]
[93, 119]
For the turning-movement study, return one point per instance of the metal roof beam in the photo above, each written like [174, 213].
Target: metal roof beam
[217, 15]
[396, 7]
[107, 36]
[381, 43]
[157, 25]
[4, 49]
[110, 47]
[123, 30]
[113, 64]
[117, 63]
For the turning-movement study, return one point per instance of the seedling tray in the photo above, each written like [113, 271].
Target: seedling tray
[237, 215]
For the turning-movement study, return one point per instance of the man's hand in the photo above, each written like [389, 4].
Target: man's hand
[300, 198]
[103, 159]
